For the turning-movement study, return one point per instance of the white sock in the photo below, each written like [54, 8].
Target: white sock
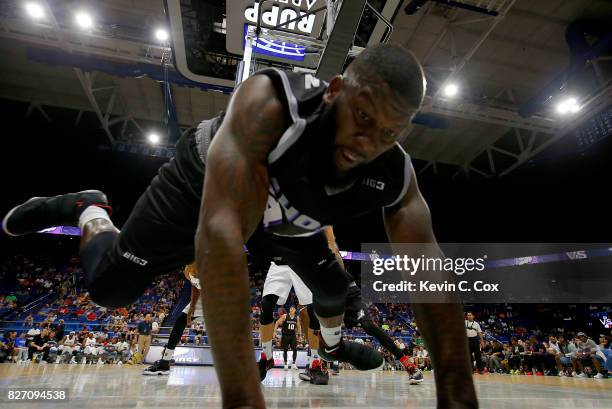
[267, 348]
[92, 213]
[168, 354]
[331, 336]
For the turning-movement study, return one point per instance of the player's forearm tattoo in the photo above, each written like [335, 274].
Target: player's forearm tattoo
[234, 198]
[449, 354]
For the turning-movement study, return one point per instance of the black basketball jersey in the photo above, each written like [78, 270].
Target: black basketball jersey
[290, 325]
[299, 201]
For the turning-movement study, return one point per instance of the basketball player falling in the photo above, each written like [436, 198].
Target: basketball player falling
[191, 311]
[293, 154]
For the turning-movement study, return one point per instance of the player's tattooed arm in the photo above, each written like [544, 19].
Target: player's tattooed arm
[234, 199]
[441, 324]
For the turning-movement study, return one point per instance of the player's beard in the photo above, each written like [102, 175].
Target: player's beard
[327, 128]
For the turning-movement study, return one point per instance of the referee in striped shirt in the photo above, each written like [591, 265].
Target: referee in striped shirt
[475, 339]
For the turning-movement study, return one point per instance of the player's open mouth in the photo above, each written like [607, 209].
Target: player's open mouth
[349, 155]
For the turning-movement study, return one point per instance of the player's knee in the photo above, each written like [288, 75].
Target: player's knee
[268, 303]
[327, 308]
[110, 294]
[330, 299]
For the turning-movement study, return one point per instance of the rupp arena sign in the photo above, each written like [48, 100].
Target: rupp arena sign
[244, 13]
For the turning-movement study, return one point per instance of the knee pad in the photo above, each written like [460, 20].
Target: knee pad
[267, 309]
[329, 300]
[95, 252]
[106, 290]
[110, 295]
[103, 275]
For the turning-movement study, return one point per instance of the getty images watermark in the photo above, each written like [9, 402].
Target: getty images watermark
[411, 265]
[487, 272]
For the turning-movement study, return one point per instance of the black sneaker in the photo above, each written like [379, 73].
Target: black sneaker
[416, 377]
[161, 367]
[305, 376]
[39, 213]
[360, 356]
[318, 373]
[264, 364]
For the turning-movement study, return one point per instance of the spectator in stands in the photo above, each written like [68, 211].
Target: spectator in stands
[155, 327]
[564, 358]
[506, 353]
[29, 321]
[514, 359]
[69, 347]
[494, 357]
[123, 350]
[604, 345]
[82, 299]
[89, 348]
[400, 344]
[388, 366]
[59, 330]
[421, 358]
[44, 310]
[21, 348]
[532, 359]
[144, 336]
[11, 298]
[32, 332]
[7, 347]
[103, 350]
[91, 315]
[39, 344]
[549, 358]
[83, 333]
[588, 353]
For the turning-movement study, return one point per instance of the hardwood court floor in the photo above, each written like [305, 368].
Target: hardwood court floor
[110, 386]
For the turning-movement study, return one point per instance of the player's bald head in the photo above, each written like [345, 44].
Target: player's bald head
[396, 66]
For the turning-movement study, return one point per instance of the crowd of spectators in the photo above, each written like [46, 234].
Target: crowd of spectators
[575, 355]
[40, 299]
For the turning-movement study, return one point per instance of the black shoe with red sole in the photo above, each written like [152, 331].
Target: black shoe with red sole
[264, 365]
[40, 213]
